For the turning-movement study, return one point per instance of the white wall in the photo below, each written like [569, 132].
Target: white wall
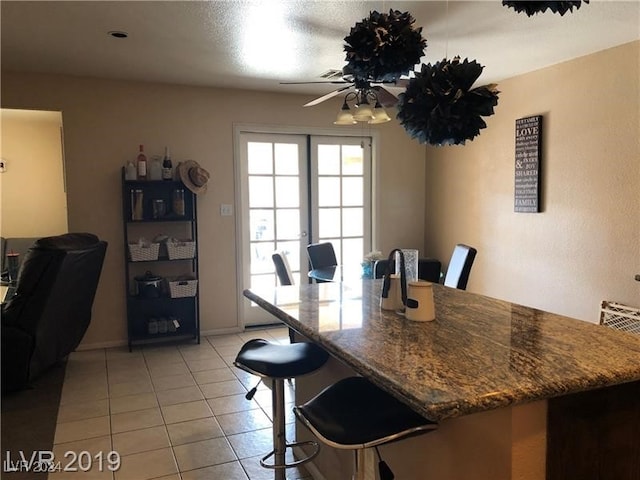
[33, 200]
[584, 247]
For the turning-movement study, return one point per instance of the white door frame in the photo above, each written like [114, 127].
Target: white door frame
[239, 128]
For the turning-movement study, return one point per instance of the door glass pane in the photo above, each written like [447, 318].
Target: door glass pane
[329, 159]
[260, 156]
[260, 192]
[288, 223]
[261, 261]
[263, 281]
[352, 160]
[352, 193]
[352, 249]
[292, 251]
[287, 192]
[352, 222]
[329, 191]
[261, 225]
[286, 159]
[328, 222]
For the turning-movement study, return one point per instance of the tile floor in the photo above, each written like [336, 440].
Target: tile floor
[173, 412]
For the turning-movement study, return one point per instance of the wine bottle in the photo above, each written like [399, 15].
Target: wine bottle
[142, 164]
[167, 167]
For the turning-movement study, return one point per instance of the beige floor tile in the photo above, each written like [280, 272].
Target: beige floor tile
[147, 465]
[129, 403]
[124, 422]
[222, 389]
[225, 340]
[206, 364]
[227, 350]
[78, 394]
[91, 445]
[158, 370]
[137, 441]
[80, 411]
[179, 395]
[213, 376]
[194, 430]
[92, 474]
[204, 453]
[173, 381]
[129, 376]
[226, 471]
[251, 444]
[183, 412]
[82, 429]
[130, 388]
[126, 363]
[241, 422]
[255, 471]
[121, 352]
[231, 404]
[246, 378]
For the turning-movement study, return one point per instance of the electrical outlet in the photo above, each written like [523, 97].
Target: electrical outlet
[226, 210]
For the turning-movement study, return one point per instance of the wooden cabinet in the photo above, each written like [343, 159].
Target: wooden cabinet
[160, 241]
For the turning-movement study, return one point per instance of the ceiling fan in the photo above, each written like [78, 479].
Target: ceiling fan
[386, 93]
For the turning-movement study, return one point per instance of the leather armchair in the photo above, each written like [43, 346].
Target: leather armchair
[51, 310]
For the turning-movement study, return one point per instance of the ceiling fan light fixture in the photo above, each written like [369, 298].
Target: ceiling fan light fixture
[363, 111]
[345, 117]
[379, 114]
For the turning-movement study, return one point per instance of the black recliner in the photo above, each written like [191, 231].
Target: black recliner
[51, 310]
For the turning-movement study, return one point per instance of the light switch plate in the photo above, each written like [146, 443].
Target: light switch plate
[226, 210]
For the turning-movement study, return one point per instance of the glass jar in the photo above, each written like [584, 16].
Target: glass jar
[178, 202]
[137, 210]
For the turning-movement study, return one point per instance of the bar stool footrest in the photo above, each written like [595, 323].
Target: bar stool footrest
[316, 450]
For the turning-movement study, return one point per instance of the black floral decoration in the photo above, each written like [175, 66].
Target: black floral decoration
[383, 46]
[438, 106]
[532, 8]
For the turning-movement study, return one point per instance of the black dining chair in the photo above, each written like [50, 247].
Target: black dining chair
[282, 268]
[460, 266]
[321, 255]
[285, 277]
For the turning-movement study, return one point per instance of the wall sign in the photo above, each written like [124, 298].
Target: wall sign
[527, 166]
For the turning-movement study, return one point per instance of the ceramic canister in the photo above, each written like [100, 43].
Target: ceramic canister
[394, 298]
[420, 305]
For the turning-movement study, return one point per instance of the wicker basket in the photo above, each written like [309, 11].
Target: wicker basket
[620, 317]
[178, 250]
[140, 253]
[182, 287]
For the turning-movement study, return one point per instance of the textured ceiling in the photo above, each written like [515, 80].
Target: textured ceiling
[257, 44]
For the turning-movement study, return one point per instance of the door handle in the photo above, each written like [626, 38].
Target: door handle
[303, 234]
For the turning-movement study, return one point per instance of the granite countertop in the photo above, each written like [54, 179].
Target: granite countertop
[478, 354]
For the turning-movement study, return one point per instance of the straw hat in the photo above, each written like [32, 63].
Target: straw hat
[193, 176]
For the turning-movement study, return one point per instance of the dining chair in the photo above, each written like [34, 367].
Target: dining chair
[321, 255]
[285, 277]
[460, 266]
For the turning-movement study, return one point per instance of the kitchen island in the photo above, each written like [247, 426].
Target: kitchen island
[519, 393]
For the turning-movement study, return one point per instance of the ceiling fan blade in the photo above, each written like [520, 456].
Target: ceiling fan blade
[385, 97]
[318, 81]
[326, 97]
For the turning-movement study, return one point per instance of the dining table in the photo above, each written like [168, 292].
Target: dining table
[510, 385]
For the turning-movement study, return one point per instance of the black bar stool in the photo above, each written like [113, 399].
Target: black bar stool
[277, 363]
[354, 414]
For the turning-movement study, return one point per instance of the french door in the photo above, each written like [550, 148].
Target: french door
[295, 190]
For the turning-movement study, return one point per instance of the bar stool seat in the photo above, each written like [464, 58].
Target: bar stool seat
[276, 363]
[354, 414]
